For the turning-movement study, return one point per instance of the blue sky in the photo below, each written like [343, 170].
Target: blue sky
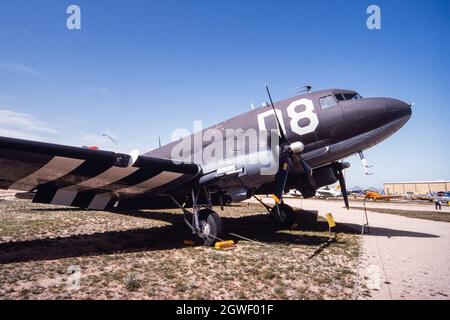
[139, 69]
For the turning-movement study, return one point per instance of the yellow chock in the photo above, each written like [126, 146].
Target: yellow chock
[222, 245]
[276, 199]
[330, 219]
[189, 242]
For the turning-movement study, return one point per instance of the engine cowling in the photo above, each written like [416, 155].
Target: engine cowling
[323, 177]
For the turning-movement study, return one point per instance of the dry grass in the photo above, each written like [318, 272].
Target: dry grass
[141, 255]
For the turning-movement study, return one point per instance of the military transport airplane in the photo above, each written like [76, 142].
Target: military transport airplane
[314, 131]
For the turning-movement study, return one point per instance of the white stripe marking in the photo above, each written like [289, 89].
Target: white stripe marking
[100, 201]
[53, 170]
[111, 175]
[64, 197]
[152, 183]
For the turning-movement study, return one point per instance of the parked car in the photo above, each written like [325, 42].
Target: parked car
[445, 197]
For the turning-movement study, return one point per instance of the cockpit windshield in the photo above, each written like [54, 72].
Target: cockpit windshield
[339, 97]
[350, 96]
[332, 100]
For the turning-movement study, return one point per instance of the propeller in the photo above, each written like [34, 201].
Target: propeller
[281, 178]
[339, 172]
[288, 152]
[301, 164]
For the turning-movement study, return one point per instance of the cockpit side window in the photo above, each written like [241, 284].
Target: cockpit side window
[327, 102]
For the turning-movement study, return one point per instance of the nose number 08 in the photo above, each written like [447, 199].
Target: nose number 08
[295, 116]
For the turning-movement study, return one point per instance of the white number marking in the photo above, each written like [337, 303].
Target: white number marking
[295, 116]
[262, 119]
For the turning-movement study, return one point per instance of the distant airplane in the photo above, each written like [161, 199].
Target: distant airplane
[314, 131]
[373, 195]
[329, 192]
[294, 193]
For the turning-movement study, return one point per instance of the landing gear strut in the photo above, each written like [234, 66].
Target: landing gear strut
[203, 221]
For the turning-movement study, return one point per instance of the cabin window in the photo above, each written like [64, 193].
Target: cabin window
[327, 102]
[339, 97]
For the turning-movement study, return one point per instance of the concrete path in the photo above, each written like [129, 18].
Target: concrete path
[403, 258]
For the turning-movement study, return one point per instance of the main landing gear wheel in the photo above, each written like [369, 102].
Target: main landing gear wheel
[282, 215]
[210, 226]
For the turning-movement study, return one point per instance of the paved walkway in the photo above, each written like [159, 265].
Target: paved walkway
[403, 258]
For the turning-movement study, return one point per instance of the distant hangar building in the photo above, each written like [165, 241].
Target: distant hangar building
[416, 187]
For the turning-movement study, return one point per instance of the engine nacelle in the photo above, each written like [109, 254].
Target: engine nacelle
[322, 176]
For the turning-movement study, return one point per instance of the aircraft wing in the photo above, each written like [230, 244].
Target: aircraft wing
[390, 197]
[86, 178]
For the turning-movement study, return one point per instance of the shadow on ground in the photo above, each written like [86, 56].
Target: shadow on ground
[257, 227]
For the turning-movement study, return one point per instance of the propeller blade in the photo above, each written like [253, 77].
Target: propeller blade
[301, 164]
[305, 166]
[280, 128]
[281, 178]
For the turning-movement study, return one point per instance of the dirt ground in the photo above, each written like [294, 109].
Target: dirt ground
[49, 252]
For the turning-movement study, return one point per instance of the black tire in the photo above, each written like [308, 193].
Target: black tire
[287, 215]
[211, 226]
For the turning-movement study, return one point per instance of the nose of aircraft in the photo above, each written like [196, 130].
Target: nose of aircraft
[398, 109]
[386, 115]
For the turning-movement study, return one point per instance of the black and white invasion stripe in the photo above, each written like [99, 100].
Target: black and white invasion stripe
[82, 177]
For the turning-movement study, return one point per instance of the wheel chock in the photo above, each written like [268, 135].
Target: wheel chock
[188, 242]
[331, 222]
[223, 245]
